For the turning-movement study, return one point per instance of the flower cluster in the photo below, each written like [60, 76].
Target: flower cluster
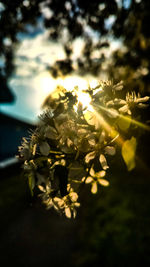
[70, 146]
[66, 204]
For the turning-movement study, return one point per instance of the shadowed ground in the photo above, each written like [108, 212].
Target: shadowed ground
[111, 229]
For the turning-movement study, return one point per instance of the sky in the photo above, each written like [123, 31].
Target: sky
[31, 82]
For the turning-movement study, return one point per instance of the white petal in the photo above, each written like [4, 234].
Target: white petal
[102, 173]
[88, 180]
[44, 148]
[77, 204]
[34, 149]
[102, 136]
[119, 101]
[68, 212]
[103, 182]
[49, 204]
[142, 99]
[112, 113]
[73, 196]
[92, 172]
[74, 213]
[103, 162]
[90, 156]
[82, 131]
[41, 188]
[118, 86]
[110, 150]
[69, 142]
[110, 103]
[92, 142]
[94, 188]
[124, 109]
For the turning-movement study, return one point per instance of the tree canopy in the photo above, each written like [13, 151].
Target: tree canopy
[97, 23]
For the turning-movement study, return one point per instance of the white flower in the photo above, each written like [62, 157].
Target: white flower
[96, 178]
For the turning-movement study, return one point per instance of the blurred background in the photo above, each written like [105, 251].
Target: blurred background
[44, 44]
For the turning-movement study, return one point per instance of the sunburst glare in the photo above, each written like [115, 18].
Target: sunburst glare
[85, 99]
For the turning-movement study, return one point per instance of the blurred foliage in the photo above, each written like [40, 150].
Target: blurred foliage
[114, 225]
[78, 131]
[97, 22]
[14, 195]
[111, 229]
[128, 152]
[131, 63]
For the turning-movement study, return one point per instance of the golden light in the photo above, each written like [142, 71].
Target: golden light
[135, 122]
[84, 99]
[45, 84]
[69, 82]
[108, 128]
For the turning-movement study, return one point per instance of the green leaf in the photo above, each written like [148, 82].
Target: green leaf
[128, 152]
[31, 182]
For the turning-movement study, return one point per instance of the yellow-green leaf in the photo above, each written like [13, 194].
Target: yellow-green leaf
[31, 181]
[128, 152]
[124, 122]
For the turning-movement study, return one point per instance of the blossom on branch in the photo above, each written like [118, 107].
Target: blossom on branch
[72, 144]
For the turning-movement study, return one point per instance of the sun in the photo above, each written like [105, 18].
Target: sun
[79, 84]
[84, 99]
